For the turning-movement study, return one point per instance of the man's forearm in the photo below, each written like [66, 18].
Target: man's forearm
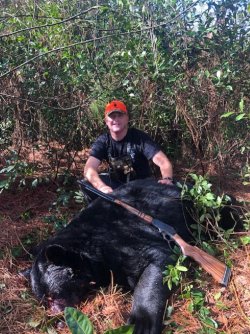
[167, 172]
[93, 177]
[161, 160]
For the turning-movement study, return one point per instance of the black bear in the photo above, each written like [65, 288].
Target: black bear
[107, 238]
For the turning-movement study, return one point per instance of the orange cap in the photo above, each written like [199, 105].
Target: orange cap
[117, 106]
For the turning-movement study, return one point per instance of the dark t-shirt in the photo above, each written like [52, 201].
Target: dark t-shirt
[143, 149]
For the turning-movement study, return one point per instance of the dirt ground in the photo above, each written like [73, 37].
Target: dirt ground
[25, 219]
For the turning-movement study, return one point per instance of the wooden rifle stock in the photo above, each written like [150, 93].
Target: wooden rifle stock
[220, 272]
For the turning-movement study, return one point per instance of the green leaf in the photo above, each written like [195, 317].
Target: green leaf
[210, 196]
[218, 74]
[217, 296]
[240, 116]
[210, 322]
[245, 240]
[9, 168]
[121, 330]
[4, 184]
[245, 183]
[191, 307]
[125, 82]
[227, 114]
[207, 73]
[181, 268]
[77, 322]
[241, 105]
[194, 176]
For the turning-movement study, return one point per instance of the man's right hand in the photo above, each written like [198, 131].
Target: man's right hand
[105, 189]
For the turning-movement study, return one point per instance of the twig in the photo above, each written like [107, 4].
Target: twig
[49, 24]
[40, 103]
[240, 233]
[26, 251]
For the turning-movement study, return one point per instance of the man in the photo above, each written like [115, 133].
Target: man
[127, 151]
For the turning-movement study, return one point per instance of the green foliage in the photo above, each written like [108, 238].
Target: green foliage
[173, 273]
[206, 202]
[207, 208]
[79, 323]
[6, 129]
[202, 194]
[197, 305]
[43, 323]
[245, 240]
[246, 220]
[121, 330]
[57, 220]
[65, 191]
[183, 80]
[15, 168]
[79, 197]
[63, 197]
[25, 244]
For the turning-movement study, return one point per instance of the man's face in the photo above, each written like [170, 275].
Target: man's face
[117, 122]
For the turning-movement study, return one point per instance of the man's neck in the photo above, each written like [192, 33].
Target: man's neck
[119, 135]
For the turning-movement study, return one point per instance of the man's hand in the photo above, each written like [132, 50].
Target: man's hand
[166, 180]
[105, 189]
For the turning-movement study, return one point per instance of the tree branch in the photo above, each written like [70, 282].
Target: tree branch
[7, 17]
[50, 24]
[39, 103]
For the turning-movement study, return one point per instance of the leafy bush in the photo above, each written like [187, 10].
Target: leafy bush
[179, 66]
[15, 168]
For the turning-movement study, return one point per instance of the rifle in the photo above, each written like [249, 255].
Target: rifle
[220, 272]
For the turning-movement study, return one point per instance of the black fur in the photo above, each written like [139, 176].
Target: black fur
[105, 238]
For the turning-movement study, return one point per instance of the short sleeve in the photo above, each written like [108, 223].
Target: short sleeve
[99, 148]
[149, 147]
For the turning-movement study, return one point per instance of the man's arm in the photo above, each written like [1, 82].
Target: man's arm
[161, 160]
[91, 174]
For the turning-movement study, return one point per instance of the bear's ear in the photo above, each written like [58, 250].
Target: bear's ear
[55, 254]
[61, 256]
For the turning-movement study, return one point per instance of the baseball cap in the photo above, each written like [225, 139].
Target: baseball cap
[115, 106]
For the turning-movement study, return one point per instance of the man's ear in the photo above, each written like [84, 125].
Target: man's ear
[61, 256]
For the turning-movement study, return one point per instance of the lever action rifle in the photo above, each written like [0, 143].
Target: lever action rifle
[220, 272]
